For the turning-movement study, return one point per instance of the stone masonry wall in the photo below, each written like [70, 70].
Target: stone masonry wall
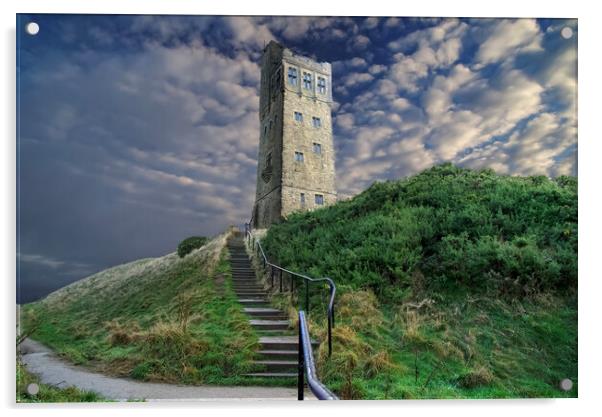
[281, 179]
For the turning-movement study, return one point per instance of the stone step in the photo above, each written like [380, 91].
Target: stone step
[279, 354]
[250, 294]
[268, 317]
[272, 375]
[262, 310]
[281, 342]
[277, 365]
[261, 324]
[276, 332]
[253, 302]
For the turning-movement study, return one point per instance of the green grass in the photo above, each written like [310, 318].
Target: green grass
[452, 284]
[168, 319]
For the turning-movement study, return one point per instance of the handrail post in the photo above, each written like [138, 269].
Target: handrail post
[307, 296]
[280, 281]
[301, 367]
[332, 313]
[329, 335]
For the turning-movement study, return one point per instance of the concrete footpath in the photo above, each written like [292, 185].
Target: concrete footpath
[52, 370]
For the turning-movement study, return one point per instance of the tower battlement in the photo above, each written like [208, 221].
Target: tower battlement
[295, 168]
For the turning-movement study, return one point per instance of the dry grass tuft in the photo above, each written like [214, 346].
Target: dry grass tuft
[120, 334]
[379, 362]
[169, 338]
[476, 377]
[360, 310]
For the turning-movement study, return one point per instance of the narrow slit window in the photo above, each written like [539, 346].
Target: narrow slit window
[302, 199]
[299, 156]
[319, 199]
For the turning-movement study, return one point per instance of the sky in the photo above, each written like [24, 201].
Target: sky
[135, 132]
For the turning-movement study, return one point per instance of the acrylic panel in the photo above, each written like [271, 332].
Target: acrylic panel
[291, 207]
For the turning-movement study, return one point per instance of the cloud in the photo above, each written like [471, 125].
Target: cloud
[436, 47]
[361, 41]
[41, 260]
[245, 30]
[357, 78]
[428, 105]
[507, 38]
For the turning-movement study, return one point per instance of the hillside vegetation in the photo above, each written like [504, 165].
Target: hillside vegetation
[454, 283]
[163, 319]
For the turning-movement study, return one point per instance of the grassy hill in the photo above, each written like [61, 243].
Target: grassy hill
[454, 283]
[163, 319]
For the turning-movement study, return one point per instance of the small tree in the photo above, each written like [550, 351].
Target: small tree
[189, 244]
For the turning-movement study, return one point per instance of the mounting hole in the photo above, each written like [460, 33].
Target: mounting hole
[33, 389]
[32, 28]
[566, 32]
[566, 384]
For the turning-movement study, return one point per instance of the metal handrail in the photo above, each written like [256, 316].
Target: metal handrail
[307, 366]
[329, 281]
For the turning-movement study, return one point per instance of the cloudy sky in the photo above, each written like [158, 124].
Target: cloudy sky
[137, 131]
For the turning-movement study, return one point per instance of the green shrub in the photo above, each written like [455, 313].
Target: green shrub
[189, 244]
[461, 229]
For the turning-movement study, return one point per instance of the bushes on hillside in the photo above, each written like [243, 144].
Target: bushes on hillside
[189, 244]
[458, 228]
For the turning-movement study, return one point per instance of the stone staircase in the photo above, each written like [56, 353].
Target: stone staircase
[279, 343]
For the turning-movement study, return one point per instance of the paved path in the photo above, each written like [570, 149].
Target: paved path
[52, 370]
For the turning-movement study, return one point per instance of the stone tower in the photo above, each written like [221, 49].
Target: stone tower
[295, 168]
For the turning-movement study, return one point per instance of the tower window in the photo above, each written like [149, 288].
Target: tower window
[302, 199]
[298, 116]
[317, 148]
[321, 85]
[292, 76]
[268, 160]
[307, 80]
[319, 199]
[316, 121]
[299, 156]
